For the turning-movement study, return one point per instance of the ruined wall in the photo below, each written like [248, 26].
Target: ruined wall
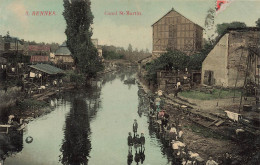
[227, 62]
[239, 45]
[216, 62]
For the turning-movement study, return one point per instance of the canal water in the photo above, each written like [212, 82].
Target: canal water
[89, 126]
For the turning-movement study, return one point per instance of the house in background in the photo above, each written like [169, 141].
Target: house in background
[234, 56]
[175, 32]
[8, 43]
[99, 48]
[10, 47]
[63, 55]
[95, 42]
[38, 53]
[100, 52]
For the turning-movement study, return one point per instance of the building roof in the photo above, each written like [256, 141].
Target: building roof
[46, 68]
[64, 44]
[63, 50]
[178, 13]
[245, 29]
[39, 48]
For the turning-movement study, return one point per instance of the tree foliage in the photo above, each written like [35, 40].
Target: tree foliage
[79, 18]
[172, 60]
[109, 52]
[210, 24]
[177, 60]
[221, 28]
[113, 52]
[76, 144]
[130, 48]
[196, 60]
[258, 22]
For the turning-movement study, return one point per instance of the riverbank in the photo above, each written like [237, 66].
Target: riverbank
[33, 102]
[201, 137]
[32, 106]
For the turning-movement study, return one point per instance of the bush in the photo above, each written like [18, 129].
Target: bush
[172, 60]
[31, 104]
[196, 60]
[71, 76]
[8, 98]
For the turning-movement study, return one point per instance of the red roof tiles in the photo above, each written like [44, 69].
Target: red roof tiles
[39, 48]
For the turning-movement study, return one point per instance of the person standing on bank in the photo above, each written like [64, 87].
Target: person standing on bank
[130, 142]
[135, 126]
[142, 140]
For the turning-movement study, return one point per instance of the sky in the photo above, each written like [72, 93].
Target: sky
[118, 30]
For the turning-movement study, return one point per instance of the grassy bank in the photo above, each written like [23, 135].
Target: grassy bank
[31, 104]
[205, 132]
[8, 97]
[214, 94]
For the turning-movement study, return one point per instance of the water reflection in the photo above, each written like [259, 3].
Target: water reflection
[10, 143]
[143, 108]
[129, 157]
[87, 129]
[122, 74]
[76, 144]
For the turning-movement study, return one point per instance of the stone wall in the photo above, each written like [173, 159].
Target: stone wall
[216, 63]
[239, 45]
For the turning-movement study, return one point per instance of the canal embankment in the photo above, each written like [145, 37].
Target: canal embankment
[206, 133]
[30, 101]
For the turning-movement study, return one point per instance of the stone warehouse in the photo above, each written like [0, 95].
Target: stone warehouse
[234, 57]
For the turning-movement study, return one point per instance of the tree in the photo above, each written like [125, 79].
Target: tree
[109, 52]
[172, 60]
[130, 48]
[195, 62]
[79, 18]
[209, 25]
[7, 34]
[221, 28]
[258, 22]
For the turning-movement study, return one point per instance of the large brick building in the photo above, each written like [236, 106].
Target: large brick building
[38, 53]
[176, 32]
[234, 56]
